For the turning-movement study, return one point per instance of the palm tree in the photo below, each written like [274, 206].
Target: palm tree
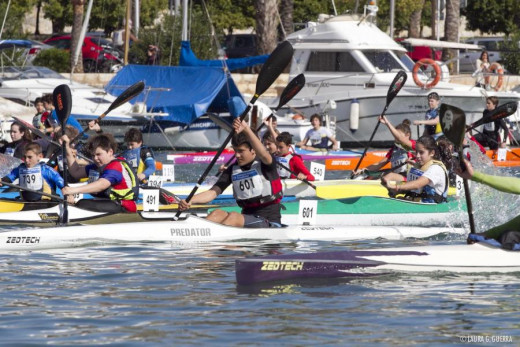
[77, 21]
[266, 25]
[451, 29]
[415, 20]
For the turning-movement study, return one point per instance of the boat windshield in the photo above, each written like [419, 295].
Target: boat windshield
[29, 72]
[405, 59]
[383, 61]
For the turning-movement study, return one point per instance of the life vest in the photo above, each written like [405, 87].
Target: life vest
[32, 178]
[129, 193]
[285, 161]
[427, 193]
[252, 189]
[432, 129]
[136, 158]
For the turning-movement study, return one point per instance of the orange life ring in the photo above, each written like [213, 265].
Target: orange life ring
[436, 70]
[298, 117]
[497, 68]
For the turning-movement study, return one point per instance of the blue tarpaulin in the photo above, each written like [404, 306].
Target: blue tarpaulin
[194, 91]
[188, 58]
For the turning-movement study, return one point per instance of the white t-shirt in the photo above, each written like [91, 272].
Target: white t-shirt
[319, 138]
[437, 178]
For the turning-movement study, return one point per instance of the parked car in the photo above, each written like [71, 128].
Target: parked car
[467, 61]
[98, 53]
[20, 52]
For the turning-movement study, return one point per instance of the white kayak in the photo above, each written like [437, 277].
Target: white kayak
[461, 258]
[196, 229]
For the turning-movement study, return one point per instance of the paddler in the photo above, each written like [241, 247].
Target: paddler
[257, 187]
[110, 179]
[290, 160]
[399, 155]
[431, 123]
[318, 136]
[140, 157]
[508, 234]
[35, 175]
[428, 180]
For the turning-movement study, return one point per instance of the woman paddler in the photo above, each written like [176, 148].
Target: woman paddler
[428, 180]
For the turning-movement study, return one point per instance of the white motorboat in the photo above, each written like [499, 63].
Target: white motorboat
[349, 65]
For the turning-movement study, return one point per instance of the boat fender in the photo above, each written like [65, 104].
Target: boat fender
[354, 115]
[436, 70]
[497, 68]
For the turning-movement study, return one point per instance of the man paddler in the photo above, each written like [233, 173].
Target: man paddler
[111, 180]
[257, 187]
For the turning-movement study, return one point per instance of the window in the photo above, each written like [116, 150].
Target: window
[333, 62]
[383, 61]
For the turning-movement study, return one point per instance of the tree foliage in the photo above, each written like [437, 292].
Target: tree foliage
[17, 11]
[510, 54]
[493, 16]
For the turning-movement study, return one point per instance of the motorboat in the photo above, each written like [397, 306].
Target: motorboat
[349, 64]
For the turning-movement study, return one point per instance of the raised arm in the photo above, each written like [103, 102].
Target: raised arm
[261, 152]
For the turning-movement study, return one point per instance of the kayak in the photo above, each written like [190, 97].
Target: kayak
[227, 154]
[375, 210]
[193, 229]
[328, 189]
[47, 213]
[463, 258]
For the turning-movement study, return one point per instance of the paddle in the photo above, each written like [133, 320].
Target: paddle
[496, 142]
[56, 197]
[293, 88]
[500, 112]
[62, 100]
[453, 124]
[128, 94]
[295, 174]
[395, 87]
[272, 68]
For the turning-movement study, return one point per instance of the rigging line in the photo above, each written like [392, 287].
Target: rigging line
[219, 47]
[172, 41]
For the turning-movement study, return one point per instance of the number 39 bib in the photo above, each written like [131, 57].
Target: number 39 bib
[247, 185]
[31, 178]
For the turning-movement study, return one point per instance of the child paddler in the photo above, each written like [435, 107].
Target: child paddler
[257, 187]
[290, 160]
[428, 180]
[140, 157]
[111, 180]
[35, 175]
[508, 234]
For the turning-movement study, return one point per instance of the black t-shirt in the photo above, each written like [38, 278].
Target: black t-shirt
[270, 212]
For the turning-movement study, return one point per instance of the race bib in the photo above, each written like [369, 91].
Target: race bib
[31, 178]
[247, 185]
[9, 151]
[413, 175]
[283, 173]
[93, 176]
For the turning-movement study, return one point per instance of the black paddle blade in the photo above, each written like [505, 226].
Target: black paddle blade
[291, 90]
[395, 86]
[131, 92]
[274, 66]
[453, 124]
[500, 112]
[62, 100]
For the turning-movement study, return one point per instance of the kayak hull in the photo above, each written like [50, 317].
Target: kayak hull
[194, 229]
[475, 258]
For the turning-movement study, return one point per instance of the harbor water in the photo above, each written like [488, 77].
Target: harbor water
[186, 294]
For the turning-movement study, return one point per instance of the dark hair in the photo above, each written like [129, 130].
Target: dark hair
[434, 95]
[493, 99]
[285, 137]
[37, 100]
[443, 148]
[267, 136]
[71, 132]
[48, 99]
[33, 146]
[240, 139]
[482, 54]
[316, 116]
[27, 136]
[404, 126]
[105, 141]
[133, 135]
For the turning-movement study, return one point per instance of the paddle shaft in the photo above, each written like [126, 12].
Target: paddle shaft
[219, 152]
[467, 193]
[56, 197]
[369, 142]
[291, 171]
